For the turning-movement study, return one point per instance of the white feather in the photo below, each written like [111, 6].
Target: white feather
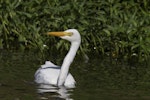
[52, 74]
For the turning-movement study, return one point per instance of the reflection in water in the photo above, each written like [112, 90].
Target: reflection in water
[49, 91]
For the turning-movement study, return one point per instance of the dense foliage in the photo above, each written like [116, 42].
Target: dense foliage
[118, 28]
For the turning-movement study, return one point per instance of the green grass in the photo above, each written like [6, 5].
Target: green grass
[117, 28]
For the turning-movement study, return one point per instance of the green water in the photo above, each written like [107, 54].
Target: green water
[97, 79]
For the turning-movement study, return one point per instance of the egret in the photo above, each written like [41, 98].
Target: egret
[52, 74]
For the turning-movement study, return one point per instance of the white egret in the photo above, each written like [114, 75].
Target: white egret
[52, 74]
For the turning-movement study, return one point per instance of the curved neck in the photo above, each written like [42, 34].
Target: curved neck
[66, 63]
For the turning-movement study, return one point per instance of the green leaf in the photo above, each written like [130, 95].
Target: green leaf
[107, 32]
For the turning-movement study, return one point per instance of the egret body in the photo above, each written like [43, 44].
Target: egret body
[52, 74]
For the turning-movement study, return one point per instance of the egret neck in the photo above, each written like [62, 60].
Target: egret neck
[67, 62]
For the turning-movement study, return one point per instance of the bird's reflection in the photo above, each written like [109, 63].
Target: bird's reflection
[50, 91]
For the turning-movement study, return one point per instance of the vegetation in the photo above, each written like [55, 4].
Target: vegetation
[118, 28]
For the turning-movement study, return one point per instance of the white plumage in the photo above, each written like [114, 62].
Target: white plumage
[48, 74]
[52, 74]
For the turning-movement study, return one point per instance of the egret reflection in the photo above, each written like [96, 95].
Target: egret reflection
[47, 91]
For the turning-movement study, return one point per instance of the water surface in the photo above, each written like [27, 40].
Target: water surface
[97, 79]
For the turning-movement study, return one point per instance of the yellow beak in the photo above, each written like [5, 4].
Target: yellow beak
[60, 33]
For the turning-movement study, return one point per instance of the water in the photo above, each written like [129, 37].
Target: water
[97, 79]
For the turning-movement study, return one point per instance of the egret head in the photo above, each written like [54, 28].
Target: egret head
[71, 35]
